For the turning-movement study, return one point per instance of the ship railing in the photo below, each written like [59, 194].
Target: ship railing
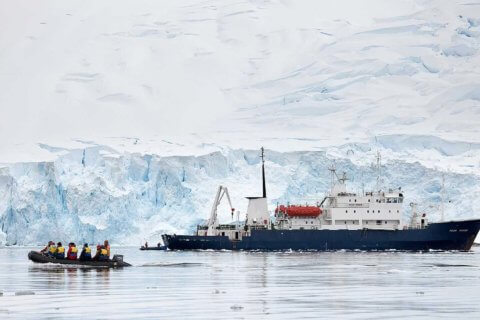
[261, 227]
[352, 205]
[226, 227]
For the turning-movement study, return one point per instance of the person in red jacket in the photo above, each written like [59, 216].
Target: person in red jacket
[72, 251]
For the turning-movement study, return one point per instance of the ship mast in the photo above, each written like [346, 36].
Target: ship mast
[443, 198]
[332, 181]
[263, 173]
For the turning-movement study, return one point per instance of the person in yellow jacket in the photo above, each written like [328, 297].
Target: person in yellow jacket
[60, 252]
[49, 249]
[106, 245]
[86, 254]
[101, 254]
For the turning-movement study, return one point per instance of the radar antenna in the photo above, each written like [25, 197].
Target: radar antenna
[263, 173]
[332, 170]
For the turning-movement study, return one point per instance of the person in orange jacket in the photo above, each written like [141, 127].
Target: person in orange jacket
[72, 251]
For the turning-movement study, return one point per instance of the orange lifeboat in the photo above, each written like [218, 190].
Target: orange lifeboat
[299, 211]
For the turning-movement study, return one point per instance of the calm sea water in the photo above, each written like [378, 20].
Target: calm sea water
[241, 285]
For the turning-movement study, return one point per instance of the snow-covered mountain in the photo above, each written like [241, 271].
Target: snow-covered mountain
[287, 74]
[119, 119]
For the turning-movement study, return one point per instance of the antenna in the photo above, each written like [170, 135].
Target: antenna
[443, 198]
[332, 170]
[263, 173]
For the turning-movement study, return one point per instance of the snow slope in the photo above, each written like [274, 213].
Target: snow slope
[293, 75]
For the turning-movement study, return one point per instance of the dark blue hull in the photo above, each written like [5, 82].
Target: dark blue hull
[455, 235]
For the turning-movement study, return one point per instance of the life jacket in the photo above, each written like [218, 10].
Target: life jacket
[52, 249]
[72, 253]
[60, 254]
[86, 254]
[103, 254]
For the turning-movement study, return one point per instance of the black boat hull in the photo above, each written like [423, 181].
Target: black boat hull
[41, 258]
[454, 235]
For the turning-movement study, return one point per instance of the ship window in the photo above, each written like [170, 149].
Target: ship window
[354, 211]
[306, 222]
[349, 200]
[379, 222]
[389, 210]
[223, 234]
[355, 200]
[345, 222]
[368, 211]
[346, 211]
[366, 222]
[398, 211]
[368, 200]
[378, 211]
[385, 222]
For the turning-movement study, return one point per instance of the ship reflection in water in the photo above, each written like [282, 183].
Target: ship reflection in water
[263, 285]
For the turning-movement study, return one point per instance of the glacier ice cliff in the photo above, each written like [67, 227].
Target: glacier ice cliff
[97, 193]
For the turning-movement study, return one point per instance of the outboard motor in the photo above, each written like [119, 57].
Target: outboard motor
[117, 258]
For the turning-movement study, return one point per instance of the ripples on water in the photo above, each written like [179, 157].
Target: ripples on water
[242, 285]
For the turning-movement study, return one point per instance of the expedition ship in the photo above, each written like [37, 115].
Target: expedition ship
[342, 220]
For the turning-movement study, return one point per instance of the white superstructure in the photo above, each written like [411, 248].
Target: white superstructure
[341, 209]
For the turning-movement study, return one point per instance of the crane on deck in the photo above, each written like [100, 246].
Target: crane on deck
[213, 221]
